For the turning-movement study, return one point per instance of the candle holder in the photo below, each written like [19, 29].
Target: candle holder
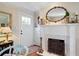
[76, 18]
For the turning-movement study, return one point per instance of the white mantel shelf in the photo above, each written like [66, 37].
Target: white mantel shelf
[61, 24]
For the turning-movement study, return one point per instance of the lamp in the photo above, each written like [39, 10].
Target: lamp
[5, 30]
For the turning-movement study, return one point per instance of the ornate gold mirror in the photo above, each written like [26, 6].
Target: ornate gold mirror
[5, 19]
[56, 14]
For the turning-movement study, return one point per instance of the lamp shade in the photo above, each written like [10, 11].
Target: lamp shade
[5, 30]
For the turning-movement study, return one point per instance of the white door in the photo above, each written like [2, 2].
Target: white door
[26, 31]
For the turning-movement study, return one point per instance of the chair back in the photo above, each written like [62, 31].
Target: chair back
[8, 48]
[17, 50]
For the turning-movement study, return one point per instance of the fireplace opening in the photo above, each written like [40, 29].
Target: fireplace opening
[56, 46]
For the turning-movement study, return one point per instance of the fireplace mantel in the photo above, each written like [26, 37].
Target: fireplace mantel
[65, 32]
[60, 24]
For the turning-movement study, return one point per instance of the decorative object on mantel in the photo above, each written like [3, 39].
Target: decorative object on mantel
[66, 20]
[76, 17]
[76, 20]
[40, 20]
[73, 18]
[56, 14]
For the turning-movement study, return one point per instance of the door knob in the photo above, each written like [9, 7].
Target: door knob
[21, 33]
[21, 30]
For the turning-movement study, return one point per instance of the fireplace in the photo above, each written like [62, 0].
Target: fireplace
[56, 46]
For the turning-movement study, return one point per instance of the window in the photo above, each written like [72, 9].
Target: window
[26, 20]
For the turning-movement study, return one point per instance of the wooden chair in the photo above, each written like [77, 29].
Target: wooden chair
[16, 52]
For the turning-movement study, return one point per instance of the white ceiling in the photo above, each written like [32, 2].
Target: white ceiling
[33, 6]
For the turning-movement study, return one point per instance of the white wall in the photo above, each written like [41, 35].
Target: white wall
[16, 14]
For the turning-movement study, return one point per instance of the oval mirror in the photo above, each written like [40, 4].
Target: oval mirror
[56, 14]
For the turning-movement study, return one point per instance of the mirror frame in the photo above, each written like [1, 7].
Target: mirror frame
[10, 18]
[66, 14]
